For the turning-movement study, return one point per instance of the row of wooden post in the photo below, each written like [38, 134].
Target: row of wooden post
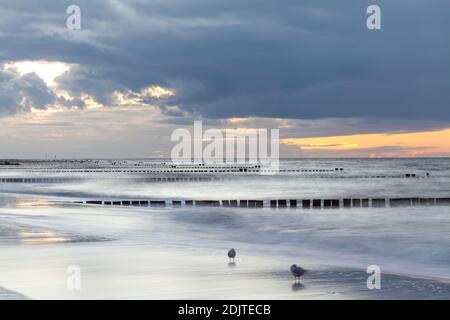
[288, 203]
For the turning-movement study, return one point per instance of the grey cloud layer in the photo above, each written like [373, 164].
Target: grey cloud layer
[293, 59]
[21, 93]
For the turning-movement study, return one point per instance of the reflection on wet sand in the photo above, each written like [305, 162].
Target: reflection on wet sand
[21, 234]
[297, 286]
[33, 237]
[23, 201]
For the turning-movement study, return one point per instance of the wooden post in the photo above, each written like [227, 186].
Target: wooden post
[157, 203]
[378, 203]
[365, 203]
[335, 203]
[317, 203]
[282, 203]
[306, 204]
[400, 202]
[243, 203]
[293, 203]
[356, 203]
[252, 203]
[176, 203]
[442, 201]
[347, 203]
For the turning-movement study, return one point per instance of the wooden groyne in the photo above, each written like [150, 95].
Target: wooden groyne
[9, 162]
[144, 180]
[204, 178]
[39, 180]
[282, 203]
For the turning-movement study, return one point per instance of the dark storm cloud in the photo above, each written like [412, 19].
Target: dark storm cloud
[293, 59]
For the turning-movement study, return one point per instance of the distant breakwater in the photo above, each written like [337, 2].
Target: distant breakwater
[165, 177]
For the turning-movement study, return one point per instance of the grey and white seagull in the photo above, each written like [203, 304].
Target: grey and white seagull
[232, 255]
[297, 272]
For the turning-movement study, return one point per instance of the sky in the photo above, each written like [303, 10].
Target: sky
[137, 70]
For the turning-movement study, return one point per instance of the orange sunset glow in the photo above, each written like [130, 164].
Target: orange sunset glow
[414, 144]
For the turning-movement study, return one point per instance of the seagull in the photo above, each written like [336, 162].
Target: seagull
[232, 254]
[297, 272]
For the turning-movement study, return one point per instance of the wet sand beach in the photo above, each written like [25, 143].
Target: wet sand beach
[117, 270]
